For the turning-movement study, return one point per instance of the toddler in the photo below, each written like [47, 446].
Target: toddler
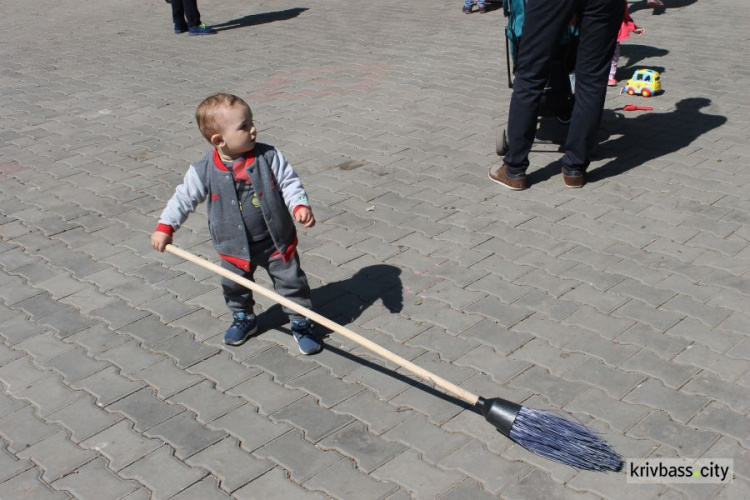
[626, 28]
[253, 198]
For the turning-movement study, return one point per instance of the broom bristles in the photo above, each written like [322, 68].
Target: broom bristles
[564, 441]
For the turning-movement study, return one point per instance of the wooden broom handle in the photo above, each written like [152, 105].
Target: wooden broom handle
[321, 320]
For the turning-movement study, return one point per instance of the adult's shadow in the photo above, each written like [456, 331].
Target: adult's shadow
[635, 54]
[651, 135]
[668, 4]
[344, 301]
[255, 19]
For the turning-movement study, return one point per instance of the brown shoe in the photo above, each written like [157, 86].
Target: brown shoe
[575, 181]
[511, 181]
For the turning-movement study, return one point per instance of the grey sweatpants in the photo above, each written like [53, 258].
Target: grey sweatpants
[288, 280]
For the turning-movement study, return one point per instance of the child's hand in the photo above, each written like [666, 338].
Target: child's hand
[160, 240]
[305, 216]
[639, 31]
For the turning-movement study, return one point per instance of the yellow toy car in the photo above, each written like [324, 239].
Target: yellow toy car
[645, 82]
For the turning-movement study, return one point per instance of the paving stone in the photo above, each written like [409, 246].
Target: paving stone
[44, 347]
[328, 390]
[267, 395]
[277, 362]
[233, 466]
[97, 339]
[703, 357]
[421, 479]
[680, 407]
[83, 419]
[107, 386]
[300, 458]
[709, 385]
[671, 374]
[432, 441]
[501, 340]
[18, 329]
[166, 378]
[186, 435]
[492, 471]
[28, 485]
[558, 391]
[121, 445]
[161, 473]
[222, 370]
[689, 442]
[149, 331]
[252, 429]
[74, 365]
[661, 344]
[10, 466]
[598, 404]
[56, 456]
[725, 421]
[342, 480]
[130, 357]
[92, 480]
[314, 421]
[206, 401]
[275, 484]
[368, 450]
[145, 409]
[205, 489]
[486, 360]
[615, 382]
[655, 318]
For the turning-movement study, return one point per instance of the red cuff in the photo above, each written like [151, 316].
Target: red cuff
[294, 212]
[165, 228]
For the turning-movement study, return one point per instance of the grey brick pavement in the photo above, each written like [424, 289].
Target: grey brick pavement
[625, 303]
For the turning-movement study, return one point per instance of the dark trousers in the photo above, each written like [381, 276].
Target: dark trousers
[288, 280]
[543, 26]
[183, 10]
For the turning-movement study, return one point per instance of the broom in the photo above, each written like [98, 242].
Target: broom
[536, 430]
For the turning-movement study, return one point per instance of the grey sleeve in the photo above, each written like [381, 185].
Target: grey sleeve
[185, 199]
[291, 186]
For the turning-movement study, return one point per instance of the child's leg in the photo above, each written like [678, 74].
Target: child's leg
[290, 281]
[615, 59]
[468, 3]
[237, 297]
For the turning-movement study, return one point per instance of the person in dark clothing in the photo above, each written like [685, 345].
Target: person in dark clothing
[186, 17]
[599, 21]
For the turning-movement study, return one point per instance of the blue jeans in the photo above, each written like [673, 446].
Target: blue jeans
[469, 3]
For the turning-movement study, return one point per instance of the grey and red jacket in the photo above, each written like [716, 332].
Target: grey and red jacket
[276, 184]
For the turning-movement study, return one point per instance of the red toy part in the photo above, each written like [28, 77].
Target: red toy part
[633, 107]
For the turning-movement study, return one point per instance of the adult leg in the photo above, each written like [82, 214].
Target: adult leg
[600, 21]
[190, 9]
[542, 30]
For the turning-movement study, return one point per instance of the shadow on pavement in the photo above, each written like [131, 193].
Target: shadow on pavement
[635, 54]
[651, 135]
[344, 301]
[668, 4]
[641, 139]
[256, 19]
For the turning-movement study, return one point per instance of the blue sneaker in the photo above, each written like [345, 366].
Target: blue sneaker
[201, 29]
[180, 28]
[302, 331]
[244, 325]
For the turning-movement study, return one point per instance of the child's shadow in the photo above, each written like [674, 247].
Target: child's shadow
[255, 19]
[344, 301]
[651, 135]
[668, 4]
[635, 54]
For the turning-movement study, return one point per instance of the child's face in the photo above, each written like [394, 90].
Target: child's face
[238, 133]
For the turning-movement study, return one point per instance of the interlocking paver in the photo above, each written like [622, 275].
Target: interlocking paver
[92, 480]
[57, 456]
[163, 474]
[393, 144]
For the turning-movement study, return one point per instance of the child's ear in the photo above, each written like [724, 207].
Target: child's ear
[217, 140]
